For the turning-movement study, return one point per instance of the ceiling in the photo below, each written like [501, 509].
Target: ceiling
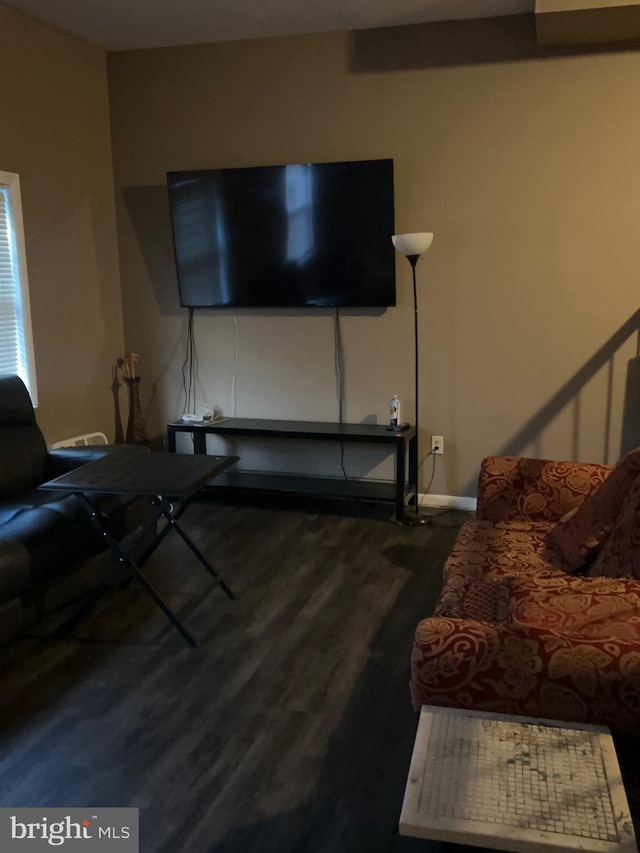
[132, 24]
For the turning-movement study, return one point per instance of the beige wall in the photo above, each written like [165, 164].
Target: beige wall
[587, 21]
[578, 5]
[525, 170]
[55, 135]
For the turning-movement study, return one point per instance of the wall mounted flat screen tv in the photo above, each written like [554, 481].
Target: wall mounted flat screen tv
[285, 236]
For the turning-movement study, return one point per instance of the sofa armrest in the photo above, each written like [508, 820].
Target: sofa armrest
[65, 459]
[514, 488]
[515, 669]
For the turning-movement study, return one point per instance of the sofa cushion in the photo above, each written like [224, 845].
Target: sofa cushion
[505, 549]
[588, 607]
[12, 618]
[54, 534]
[514, 488]
[51, 541]
[22, 447]
[63, 501]
[15, 567]
[580, 534]
[7, 512]
[527, 671]
[22, 456]
[575, 541]
[620, 554]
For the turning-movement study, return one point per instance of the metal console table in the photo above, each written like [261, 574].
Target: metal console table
[403, 444]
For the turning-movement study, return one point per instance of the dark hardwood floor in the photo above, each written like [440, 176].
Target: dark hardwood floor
[289, 729]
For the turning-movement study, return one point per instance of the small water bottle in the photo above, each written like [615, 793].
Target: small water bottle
[394, 411]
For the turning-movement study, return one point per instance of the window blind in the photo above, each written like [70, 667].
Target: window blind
[13, 350]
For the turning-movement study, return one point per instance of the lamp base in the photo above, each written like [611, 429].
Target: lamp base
[414, 518]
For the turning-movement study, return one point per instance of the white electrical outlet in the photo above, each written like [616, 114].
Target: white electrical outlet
[437, 445]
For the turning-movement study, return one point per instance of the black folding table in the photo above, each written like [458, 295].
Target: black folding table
[170, 481]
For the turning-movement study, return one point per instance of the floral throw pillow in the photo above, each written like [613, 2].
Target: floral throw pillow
[581, 532]
[620, 554]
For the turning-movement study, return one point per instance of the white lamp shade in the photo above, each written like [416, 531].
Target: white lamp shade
[412, 244]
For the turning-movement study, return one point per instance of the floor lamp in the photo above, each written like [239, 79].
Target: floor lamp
[413, 246]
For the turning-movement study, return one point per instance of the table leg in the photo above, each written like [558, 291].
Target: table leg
[173, 524]
[199, 442]
[401, 464]
[413, 469]
[168, 612]
[165, 530]
[171, 440]
[125, 559]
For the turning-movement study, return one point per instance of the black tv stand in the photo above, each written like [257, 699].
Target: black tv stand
[402, 442]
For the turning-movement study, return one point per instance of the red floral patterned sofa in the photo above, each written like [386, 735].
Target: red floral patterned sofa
[540, 609]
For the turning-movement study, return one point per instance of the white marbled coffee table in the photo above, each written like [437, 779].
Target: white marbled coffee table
[515, 783]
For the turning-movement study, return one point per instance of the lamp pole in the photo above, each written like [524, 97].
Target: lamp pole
[413, 246]
[413, 260]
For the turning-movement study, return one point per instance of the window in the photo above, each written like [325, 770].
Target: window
[16, 343]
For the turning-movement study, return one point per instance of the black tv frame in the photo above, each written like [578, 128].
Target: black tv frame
[294, 304]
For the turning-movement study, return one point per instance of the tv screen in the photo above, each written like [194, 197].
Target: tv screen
[285, 236]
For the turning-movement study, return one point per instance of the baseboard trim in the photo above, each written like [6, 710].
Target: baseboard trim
[449, 502]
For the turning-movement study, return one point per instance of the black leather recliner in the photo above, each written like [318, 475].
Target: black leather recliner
[45, 537]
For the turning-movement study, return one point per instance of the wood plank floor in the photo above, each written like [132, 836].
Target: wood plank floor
[289, 729]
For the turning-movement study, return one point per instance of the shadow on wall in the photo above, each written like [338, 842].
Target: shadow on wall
[443, 44]
[148, 208]
[569, 395]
